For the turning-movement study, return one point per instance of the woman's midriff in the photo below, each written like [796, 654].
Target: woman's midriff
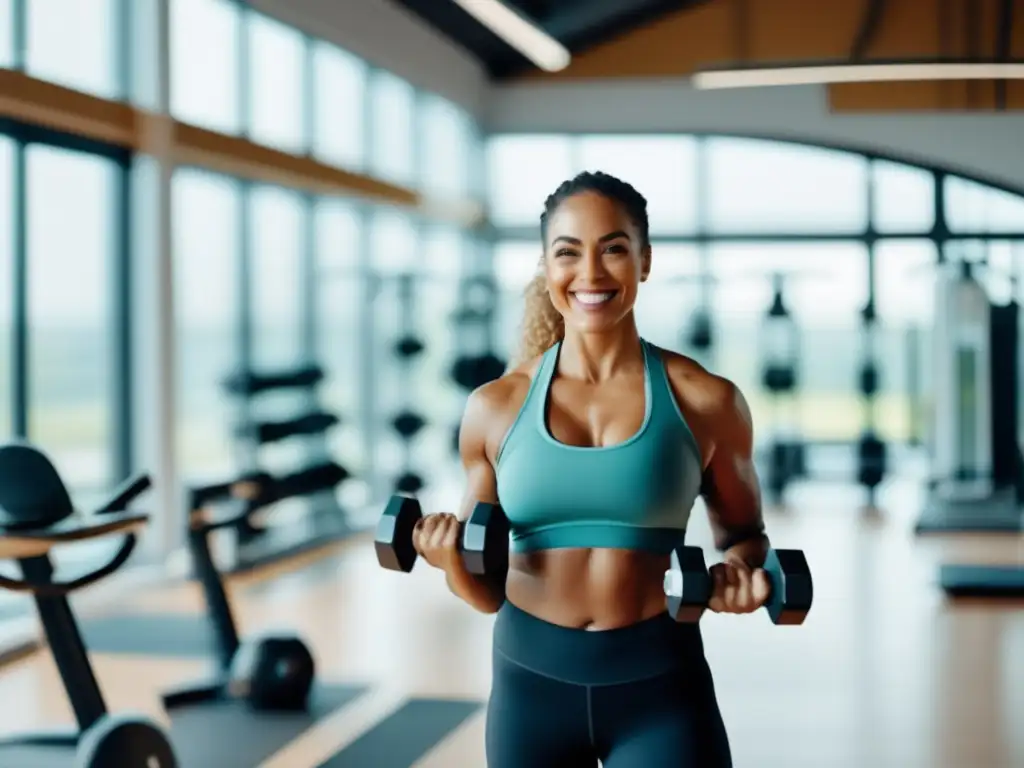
[594, 589]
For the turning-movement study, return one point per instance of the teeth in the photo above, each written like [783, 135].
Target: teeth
[592, 298]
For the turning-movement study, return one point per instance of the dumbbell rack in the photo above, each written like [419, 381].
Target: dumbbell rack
[325, 517]
[474, 321]
[408, 348]
[785, 454]
[871, 450]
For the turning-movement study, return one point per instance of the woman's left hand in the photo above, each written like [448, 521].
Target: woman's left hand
[738, 588]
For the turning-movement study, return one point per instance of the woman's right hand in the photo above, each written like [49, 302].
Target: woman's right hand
[436, 538]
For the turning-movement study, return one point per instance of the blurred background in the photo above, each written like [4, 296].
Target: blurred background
[197, 189]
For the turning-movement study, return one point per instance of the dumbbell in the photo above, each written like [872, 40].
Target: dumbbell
[483, 538]
[688, 585]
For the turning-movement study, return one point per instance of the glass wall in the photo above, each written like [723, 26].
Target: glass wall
[729, 214]
[70, 257]
[7, 219]
[75, 44]
[264, 276]
[207, 263]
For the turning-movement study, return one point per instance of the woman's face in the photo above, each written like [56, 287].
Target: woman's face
[594, 262]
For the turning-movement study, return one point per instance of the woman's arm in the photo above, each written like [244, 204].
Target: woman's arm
[486, 594]
[733, 497]
[731, 489]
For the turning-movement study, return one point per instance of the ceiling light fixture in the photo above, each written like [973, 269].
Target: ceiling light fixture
[525, 36]
[873, 72]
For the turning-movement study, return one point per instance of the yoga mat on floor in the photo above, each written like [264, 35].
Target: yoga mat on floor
[406, 735]
[982, 581]
[157, 634]
[213, 735]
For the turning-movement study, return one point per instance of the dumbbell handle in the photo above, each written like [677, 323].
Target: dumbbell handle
[779, 562]
[674, 586]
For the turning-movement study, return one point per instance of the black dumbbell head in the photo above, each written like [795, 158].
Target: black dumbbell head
[792, 590]
[393, 540]
[485, 540]
[687, 585]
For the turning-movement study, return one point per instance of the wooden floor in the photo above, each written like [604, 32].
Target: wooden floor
[885, 673]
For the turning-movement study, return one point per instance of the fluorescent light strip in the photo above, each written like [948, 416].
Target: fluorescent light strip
[531, 41]
[856, 73]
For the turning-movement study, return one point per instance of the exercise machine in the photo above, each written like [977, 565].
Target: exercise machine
[37, 515]
[977, 467]
[271, 672]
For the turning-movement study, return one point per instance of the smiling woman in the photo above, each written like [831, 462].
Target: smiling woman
[596, 444]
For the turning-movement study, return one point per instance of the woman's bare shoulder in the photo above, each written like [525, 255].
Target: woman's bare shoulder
[492, 408]
[694, 385]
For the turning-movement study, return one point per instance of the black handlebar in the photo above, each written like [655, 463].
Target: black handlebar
[126, 493]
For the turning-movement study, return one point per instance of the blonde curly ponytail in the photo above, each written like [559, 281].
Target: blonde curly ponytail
[543, 325]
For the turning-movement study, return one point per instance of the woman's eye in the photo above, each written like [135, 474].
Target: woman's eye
[565, 252]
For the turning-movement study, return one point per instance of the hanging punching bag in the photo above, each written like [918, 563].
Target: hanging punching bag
[962, 439]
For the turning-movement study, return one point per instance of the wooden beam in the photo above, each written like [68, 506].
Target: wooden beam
[29, 100]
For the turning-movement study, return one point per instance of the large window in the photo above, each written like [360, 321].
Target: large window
[763, 186]
[205, 72]
[515, 196]
[905, 286]
[207, 210]
[672, 294]
[662, 168]
[277, 87]
[6, 33]
[393, 245]
[976, 208]
[392, 115]
[74, 44]
[440, 400]
[824, 287]
[341, 280]
[903, 197]
[339, 106]
[278, 280]
[6, 279]
[71, 248]
[515, 264]
[277, 268]
[447, 141]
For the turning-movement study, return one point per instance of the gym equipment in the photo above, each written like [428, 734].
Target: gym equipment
[269, 672]
[36, 515]
[979, 471]
[477, 363]
[977, 477]
[781, 350]
[256, 429]
[982, 580]
[871, 450]
[688, 585]
[483, 540]
[120, 740]
[407, 424]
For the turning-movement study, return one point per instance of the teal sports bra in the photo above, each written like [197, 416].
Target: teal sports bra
[632, 495]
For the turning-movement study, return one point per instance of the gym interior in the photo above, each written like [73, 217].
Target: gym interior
[295, 237]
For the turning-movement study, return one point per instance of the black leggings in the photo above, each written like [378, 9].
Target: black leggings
[636, 697]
